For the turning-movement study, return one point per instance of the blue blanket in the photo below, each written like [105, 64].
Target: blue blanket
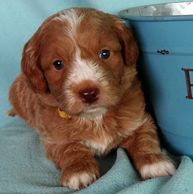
[24, 168]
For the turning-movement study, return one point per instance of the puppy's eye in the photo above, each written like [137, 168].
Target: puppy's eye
[104, 54]
[58, 64]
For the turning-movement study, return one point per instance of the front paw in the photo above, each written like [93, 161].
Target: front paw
[79, 177]
[159, 165]
[79, 180]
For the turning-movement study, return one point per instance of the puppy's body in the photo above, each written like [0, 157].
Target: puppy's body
[83, 62]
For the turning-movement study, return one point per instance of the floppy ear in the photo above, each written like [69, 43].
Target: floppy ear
[130, 50]
[31, 66]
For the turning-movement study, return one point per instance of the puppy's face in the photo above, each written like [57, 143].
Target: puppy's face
[81, 57]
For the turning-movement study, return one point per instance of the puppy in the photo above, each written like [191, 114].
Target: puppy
[79, 89]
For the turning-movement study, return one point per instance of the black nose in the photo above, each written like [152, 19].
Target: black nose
[89, 95]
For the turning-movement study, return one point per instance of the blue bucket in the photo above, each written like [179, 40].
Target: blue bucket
[165, 35]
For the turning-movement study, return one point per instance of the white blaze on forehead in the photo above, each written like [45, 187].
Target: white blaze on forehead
[73, 19]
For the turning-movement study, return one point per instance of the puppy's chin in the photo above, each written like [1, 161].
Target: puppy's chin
[88, 112]
[93, 113]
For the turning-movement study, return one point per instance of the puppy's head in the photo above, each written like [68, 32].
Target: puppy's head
[84, 58]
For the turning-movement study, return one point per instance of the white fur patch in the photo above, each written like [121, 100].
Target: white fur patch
[95, 114]
[98, 148]
[79, 180]
[102, 146]
[162, 168]
[73, 20]
[85, 70]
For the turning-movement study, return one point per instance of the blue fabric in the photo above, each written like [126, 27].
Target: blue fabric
[24, 168]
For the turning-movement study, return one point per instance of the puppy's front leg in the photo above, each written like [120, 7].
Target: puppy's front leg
[144, 149]
[78, 166]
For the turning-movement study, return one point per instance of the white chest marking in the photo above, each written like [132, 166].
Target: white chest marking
[99, 148]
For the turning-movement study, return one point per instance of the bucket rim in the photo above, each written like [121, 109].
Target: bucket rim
[134, 13]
